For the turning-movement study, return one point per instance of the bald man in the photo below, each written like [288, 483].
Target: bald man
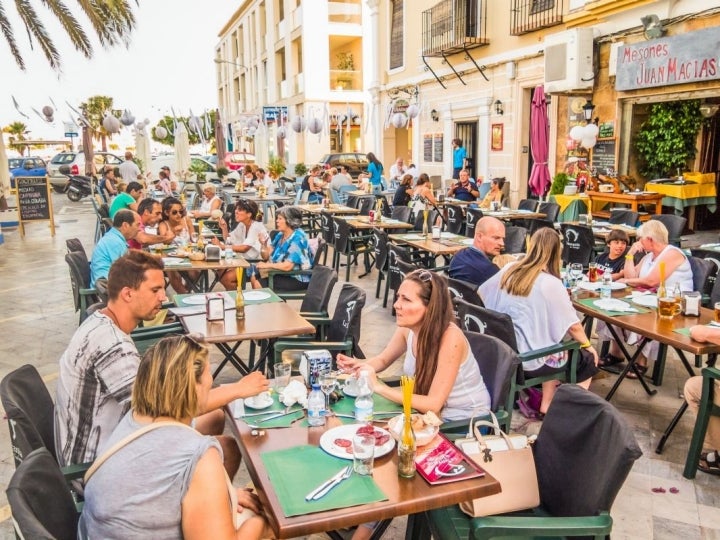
[474, 264]
[129, 170]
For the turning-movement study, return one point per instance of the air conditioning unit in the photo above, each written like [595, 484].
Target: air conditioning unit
[569, 60]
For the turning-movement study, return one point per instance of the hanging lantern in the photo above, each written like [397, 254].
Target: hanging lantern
[48, 111]
[281, 132]
[588, 142]
[314, 126]
[196, 123]
[127, 119]
[251, 132]
[111, 124]
[50, 118]
[591, 130]
[399, 120]
[412, 111]
[160, 132]
[577, 133]
[298, 124]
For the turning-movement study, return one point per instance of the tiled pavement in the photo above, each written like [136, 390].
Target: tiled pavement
[37, 319]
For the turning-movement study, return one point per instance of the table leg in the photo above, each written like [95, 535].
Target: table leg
[630, 365]
[671, 427]
[232, 357]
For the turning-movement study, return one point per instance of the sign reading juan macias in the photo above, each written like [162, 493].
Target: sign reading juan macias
[685, 58]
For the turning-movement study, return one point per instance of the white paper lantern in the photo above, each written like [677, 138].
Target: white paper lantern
[281, 132]
[314, 126]
[591, 130]
[412, 111]
[588, 142]
[111, 124]
[160, 132]
[576, 133]
[399, 120]
[47, 110]
[50, 118]
[298, 124]
[195, 123]
[127, 119]
[251, 132]
[253, 122]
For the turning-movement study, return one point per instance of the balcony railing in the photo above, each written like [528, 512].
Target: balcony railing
[345, 79]
[530, 15]
[452, 26]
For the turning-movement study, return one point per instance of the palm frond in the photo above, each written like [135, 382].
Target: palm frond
[36, 29]
[75, 32]
[7, 33]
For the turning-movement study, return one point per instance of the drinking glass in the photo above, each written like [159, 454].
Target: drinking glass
[363, 447]
[282, 376]
[194, 237]
[576, 271]
[328, 380]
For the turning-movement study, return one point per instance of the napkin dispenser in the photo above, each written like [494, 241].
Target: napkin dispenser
[212, 253]
[691, 304]
[313, 363]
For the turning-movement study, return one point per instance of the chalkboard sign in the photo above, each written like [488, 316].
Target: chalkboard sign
[603, 156]
[427, 148]
[34, 201]
[438, 148]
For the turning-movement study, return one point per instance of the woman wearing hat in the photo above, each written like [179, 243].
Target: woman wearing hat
[289, 251]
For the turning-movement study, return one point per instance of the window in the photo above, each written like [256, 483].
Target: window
[396, 34]
[541, 5]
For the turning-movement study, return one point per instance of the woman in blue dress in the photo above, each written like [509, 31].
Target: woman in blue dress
[374, 173]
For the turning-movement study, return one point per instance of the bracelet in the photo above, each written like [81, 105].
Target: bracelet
[586, 345]
[629, 257]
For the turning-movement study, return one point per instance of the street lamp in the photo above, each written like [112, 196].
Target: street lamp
[220, 61]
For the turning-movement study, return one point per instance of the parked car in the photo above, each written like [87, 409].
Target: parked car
[169, 161]
[76, 162]
[354, 161]
[237, 160]
[26, 166]
[211, 158]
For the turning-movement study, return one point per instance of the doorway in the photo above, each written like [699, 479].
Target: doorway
[467, 133]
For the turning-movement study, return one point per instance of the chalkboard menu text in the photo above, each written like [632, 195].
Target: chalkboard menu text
[34, 201]
[603, 156]
[438, 148]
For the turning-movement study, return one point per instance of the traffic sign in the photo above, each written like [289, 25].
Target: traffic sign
[71, 134]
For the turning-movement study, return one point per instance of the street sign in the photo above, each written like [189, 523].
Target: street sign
[71, 134]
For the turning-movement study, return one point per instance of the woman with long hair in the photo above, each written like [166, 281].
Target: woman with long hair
[404, 192]
[176, 221]
[157, 476]
[495, 194]
[423, 194]
[532, 293]
[374, 173]
[447, 377]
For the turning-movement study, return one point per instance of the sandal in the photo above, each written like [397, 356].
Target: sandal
[641, 369]
[713, 465]
[609, 360]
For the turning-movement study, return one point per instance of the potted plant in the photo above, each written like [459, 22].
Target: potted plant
[560, 180]
[276, 167]
[346, 64]
[300, 171]
[222, 172]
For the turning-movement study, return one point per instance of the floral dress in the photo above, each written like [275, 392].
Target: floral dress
[295, 249]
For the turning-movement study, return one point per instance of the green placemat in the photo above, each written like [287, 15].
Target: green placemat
[292, 478]
[275, 408]
[346, 407]
[686, 331]
[179, 299]
[590, 302]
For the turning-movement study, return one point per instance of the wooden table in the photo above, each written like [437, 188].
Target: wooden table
[633, 199]
[334, 209]
[446, 246]
[681, 195]
[262, 321]
[602, 229]
[364, 223]
[405, 496]
[510, 215]
[203, 283]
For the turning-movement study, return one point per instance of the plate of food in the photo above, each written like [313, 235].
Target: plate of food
[179, 252]
[597, 285]
[350, 388]
[261, 401]
[338, 441]
[425, 426]
[169, 261]
[645, 300]
[195, 300]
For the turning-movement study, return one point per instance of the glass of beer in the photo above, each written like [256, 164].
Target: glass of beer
[717, 312]
[592, 272]
[667, 307]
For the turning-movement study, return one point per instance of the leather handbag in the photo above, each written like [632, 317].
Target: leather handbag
[513, 467]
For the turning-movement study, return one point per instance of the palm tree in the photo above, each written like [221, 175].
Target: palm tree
[111, 21]
[94, 110]
[17, 131]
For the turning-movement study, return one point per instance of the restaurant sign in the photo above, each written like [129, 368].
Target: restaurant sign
[685, 58]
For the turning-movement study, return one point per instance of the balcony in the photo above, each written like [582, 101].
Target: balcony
[345, 79]
[453, 26]
[345, 11]
[530, 15]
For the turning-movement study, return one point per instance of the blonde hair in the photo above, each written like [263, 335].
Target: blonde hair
[655, 230]
[503, 259]
[543, 255]
[167, 378]
[209, 186]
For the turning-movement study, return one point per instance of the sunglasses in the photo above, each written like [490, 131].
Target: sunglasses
[176, 212]
[422, 275]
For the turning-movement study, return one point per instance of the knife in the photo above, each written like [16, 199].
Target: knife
[257, 414]
[278, 416]
[328, 484]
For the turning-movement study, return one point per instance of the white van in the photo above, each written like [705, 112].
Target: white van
[169, 161]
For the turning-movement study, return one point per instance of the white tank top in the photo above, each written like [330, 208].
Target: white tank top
[682, 274]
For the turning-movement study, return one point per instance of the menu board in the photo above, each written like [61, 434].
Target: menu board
[438, 148]
[34, 201]
[427, 147]
[603, 155]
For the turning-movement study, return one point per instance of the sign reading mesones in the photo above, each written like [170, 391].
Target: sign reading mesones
[685, 58]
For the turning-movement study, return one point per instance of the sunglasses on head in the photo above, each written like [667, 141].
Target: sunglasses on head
[422, 275]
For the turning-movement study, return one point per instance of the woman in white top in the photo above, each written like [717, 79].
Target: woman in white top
[209, 203]
[531, 292]
[652, 239]
[447, 377]
[247, 238]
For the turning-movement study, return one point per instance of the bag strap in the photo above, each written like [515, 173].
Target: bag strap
[127, 440]
[499, 431]
[495, 424]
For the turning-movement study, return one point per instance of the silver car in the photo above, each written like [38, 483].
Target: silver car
[76, 162]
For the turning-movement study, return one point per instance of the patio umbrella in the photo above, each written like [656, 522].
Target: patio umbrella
[87, 142]
[539, 133]
[220, 147]
[182, 149]
[142, 147]
[4, 175]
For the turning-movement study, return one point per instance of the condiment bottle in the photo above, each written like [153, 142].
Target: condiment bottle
[239, 299]
[406, 449]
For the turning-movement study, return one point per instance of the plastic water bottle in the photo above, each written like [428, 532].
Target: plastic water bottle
[316, 406]
[606, 285]
[228, 252]
[364, 399]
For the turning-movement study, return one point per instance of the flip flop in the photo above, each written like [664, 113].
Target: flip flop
[712, 467]
[609, 360]
[642, 369]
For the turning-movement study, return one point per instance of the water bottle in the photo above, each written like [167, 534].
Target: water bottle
[606, 285]
[316, 406]
[364, 399]
[228, 252]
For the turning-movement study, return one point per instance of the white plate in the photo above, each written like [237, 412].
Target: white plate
[327, 441]
[172, 260]
[646, 300]
[349, 391]
[589, 286]
[195, 300]
[613, 304]
[256, 295]
[714, 323]
[261, 401]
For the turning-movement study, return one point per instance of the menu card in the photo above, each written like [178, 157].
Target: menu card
[440, 462]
